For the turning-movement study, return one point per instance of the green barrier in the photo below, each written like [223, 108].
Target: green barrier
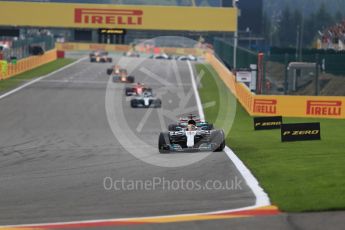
[224, 50]
[13, 60]
[332, 61]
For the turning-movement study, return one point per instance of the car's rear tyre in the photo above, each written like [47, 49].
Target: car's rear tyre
[130, 79]
[128, 91]
[173, 127]
[164, 143]
[110, 60]
[134, 103]
[208, 127]
[109, 71]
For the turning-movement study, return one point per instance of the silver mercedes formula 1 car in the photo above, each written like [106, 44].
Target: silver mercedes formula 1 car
[191, 134]
[146, 100]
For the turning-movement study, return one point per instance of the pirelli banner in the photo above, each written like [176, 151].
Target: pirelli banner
[68, 15]
[299, 106]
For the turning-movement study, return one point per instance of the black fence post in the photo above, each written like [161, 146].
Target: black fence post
[317, 80]
[286, 63]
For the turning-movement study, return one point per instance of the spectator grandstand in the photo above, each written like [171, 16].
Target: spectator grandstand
[333, 37]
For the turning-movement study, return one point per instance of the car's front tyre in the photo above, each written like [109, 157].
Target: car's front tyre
[218, 139]
[134, 103]
[173, 127]
[164, 143]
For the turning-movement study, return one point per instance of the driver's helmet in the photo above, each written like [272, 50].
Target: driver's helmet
[146, 94]
[191, 125]
[191, 122]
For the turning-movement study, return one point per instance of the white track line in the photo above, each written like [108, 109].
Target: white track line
[39, 79]
[196, 92]
[262, 198]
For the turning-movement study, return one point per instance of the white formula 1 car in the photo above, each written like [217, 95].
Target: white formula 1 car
[186, 58]
[192, 135]
[146, 100]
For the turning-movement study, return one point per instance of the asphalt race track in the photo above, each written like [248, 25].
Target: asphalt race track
[58, 144]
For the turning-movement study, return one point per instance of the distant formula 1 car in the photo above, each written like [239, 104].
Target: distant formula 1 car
[161, 56]
[186, 58]
[100, 56]
[115, 69]
[122, 76]
[191, 135]
[137, 90]
[146, 100]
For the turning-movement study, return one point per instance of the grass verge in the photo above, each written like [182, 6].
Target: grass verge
[13, 82]
[298, 176]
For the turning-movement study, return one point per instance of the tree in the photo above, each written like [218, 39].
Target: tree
[323, 18]
[289, 24]
[284, 27]
[311, 29]
[338, 16]
[267, 26]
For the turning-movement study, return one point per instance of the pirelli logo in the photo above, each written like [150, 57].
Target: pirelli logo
[324, 108]
[116, 17]
[265, 106]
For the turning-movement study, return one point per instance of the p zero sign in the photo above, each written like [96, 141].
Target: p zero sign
[300, 132]
[266, 123]
[69, 15]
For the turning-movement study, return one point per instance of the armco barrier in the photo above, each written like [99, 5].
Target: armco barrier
[242, 93]
[70, 46]
[287, 106]
[28, 63]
